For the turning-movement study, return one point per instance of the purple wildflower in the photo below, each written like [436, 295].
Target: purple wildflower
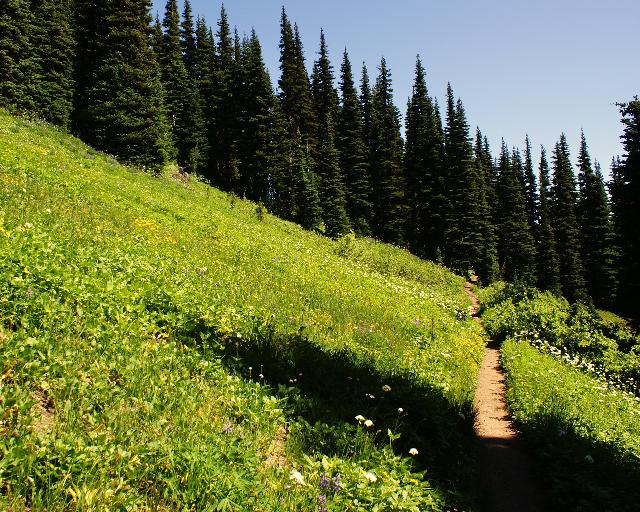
[324, 481]
[336, 484]
[29, 292]
[227, 429]
[322, 503]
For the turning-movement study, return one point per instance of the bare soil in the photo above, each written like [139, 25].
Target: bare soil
[509, 480]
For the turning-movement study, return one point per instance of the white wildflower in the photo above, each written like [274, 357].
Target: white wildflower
[370, 476]
[413, 452]
[296, 476]
[368, 423]
[400, 410]
[360, 418]
[386, 388]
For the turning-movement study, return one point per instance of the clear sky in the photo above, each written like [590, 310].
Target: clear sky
[540, 67]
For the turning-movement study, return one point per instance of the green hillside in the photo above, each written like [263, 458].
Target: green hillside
[165, 346]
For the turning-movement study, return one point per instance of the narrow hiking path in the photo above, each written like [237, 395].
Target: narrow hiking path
[508, 477]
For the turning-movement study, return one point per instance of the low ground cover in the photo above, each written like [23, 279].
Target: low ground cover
[166, 346]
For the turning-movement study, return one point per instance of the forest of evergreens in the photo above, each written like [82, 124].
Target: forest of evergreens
[333, 159]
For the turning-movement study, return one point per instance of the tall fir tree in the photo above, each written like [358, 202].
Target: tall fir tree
[305, 199]
[258, 127]
[387, 166]
[225, 133]
[516, 247]
[330, 179]
[468, 219]
[547, 257]
[120, 106]
[627, 209]
[565, 221]
[206, 84]
[354, 160]
[183, 108]
[366, 105]
[17, 55]
[53, 50]
[597, 238]
[530, 188]
[188, 41]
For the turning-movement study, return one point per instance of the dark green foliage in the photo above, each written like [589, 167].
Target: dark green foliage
[188, 41]
[329, 174]
[258, 124]
[120, 104]
[53, 47]
[598, 254]
[354, 160]
[206, 83]
[468, 231]
[17, 62]
[366, 105]
[331, 188]
[224, 137]
[564, 220]
[530, 188]
[387, 168]
[424, 171]
[627, 208]
[516, 248]
[305, 207]
[181, 97]
[547, 257]
[295, 93]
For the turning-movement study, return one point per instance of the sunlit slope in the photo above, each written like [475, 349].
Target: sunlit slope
[140, 316]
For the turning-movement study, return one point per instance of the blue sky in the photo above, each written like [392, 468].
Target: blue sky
[520, 66]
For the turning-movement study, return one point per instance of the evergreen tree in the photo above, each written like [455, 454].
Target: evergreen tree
[206, 85]
[530, 188]
[295, 92]
[305, 198]
[468, 220]
[157, 38]
[330, 179]
[516, 248]
[565, 221]
[627, 204]
[181, 100]
[120, 106]
[258, 124]
[224, 141]
[53, 51]
[188, 42]
[17, 59]
[548, 263]
[596, 229]
[366, 105]
[387, 169]
[354, 160]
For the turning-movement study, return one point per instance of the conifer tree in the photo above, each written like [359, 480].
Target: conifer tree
[295, 92]
[17, 59]
[120, 106]
[366, 105]
[387, 169]
[157, 38]
[547, 258]
[188, 42]
[305, 206]
[224, 141]
[258, 124]
[516, 249]
[206, 85]
[53, 54]
[627, 208]
[424, 169]
[330, 179]
[530, 188]
[354, 160]
[565, 222]
[468, 219]
[181, 100]
[596, 230]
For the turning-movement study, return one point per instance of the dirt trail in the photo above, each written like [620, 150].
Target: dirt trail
[509, 481]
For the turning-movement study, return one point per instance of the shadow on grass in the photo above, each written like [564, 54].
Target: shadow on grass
[326, 390]
[581, 474]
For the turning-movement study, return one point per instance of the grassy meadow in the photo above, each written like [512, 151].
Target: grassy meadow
[166, 346]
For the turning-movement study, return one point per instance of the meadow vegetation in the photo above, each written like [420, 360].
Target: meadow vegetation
[571, 375]
[166, 346]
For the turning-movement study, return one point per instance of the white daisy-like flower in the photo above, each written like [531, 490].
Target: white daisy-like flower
[400, 410]
[368, 423]
[370, 476]
[296, 476]
[413, 452]
[360, 418]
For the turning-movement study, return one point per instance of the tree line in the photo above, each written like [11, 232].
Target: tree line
[333, 159]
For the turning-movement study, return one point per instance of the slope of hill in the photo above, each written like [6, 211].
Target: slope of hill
[165, 346]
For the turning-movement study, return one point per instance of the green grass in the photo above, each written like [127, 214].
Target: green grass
[585, 434]
[165, 347]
